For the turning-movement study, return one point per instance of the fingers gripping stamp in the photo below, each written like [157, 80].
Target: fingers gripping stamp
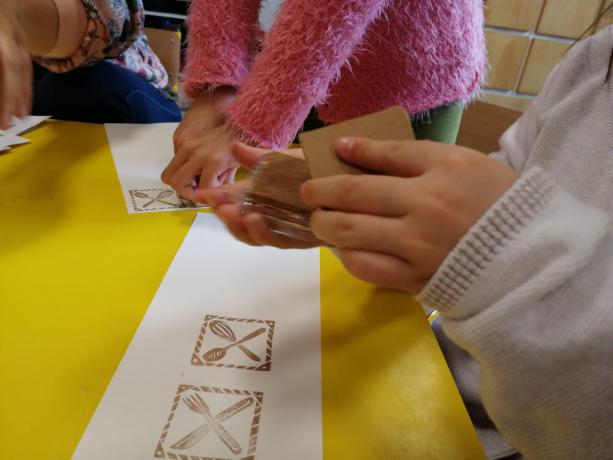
[274, 187]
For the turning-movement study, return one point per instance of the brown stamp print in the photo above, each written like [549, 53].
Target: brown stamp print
[157, 200]
[210, 423]
[238, 343]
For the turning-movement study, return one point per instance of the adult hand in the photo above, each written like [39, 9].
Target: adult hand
[202, 146]
[248, 228]
[395, 230]
[15, 65]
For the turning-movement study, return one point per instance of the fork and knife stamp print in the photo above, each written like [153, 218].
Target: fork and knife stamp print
[212, 423]
[157, 199]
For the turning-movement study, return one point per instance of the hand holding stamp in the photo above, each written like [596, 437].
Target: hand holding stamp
[274, 190]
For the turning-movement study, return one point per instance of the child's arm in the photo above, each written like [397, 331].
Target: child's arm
[533, 280]
[221, 44]
[304, 51]
[528, 294]
[223, 37]
[521, 270]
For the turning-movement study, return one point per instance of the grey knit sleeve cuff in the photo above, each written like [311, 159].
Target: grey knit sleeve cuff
[496, 229]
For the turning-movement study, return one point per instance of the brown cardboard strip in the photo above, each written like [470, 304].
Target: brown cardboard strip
[318, 146]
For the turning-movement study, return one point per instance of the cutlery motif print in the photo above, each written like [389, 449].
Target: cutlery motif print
[222, 329]
[199, 433]
[196, 404]
[156, 199]
[216, 354]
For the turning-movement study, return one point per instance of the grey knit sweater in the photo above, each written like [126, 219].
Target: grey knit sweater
[528, 292]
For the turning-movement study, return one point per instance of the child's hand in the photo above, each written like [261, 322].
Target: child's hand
[250, 228]
[396, 230]
[201, 143]
[202, 161]
[15, 65]
[206, 111]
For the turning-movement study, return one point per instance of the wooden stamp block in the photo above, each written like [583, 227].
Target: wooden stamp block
[274, 193]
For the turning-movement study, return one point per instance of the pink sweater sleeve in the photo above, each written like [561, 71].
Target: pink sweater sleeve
[221, 42]
[303, 53]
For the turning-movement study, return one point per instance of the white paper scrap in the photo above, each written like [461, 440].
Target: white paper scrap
[226, 363]
[23, 125]
[10, 140]
[11, 137]
[141, 152]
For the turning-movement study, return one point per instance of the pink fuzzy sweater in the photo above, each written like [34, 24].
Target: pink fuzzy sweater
[346, 57]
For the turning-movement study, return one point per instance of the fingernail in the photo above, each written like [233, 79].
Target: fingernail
[344, 145]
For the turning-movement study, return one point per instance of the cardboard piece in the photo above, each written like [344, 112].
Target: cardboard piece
[390, 124]
[483, 124]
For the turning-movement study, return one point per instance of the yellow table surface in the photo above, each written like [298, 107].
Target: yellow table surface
[69, 306]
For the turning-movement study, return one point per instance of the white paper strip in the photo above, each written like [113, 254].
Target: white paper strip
[175, 393]
[141, 152]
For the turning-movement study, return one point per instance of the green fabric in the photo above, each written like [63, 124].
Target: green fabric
[441, 124]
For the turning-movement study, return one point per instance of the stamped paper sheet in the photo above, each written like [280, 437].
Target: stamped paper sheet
[141, 152]
[226, 363]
